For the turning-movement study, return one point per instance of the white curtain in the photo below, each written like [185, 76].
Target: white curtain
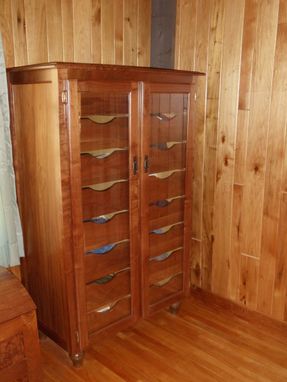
[11, 239]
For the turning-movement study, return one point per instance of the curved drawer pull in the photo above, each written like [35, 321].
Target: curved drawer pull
[166, 202]
[107, 278]
[109, 307]
[164, 116]
[102, 219]
[166, 174]
[167, 145]
[102, 154]
[165, 255]
[162, 230]
[164, 282]
[105, 248]
[104, 186]
[102, 119]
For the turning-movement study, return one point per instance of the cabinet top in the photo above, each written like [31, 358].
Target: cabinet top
[101, 72]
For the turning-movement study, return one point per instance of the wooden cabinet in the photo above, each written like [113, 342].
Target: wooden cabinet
[102, 157]
[19, 344]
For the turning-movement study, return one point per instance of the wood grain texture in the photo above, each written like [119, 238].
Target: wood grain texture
[210, 342]
[240, 224]
[98, 31]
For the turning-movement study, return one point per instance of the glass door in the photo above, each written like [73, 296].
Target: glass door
[108, 179]
[166, 192]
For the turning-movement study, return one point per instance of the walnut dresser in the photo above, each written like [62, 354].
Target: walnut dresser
[102, 157]
[19, 343]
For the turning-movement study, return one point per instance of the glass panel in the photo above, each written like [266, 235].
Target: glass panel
[105, 191]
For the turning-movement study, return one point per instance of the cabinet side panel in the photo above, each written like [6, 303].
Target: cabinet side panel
[37, 159]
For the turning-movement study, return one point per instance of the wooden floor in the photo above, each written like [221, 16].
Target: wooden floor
[202, 343]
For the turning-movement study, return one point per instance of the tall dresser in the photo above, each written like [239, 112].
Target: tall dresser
[102, 157]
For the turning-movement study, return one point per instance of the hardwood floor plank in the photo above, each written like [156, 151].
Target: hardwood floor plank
[205, 342]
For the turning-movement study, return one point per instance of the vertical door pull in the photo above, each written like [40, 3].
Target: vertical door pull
[135, 165]
[146, 163]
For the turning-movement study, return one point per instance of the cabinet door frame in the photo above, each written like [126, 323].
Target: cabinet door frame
[131, 88]
[146, 90]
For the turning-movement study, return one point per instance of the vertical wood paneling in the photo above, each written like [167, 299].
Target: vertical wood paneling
[130, 28]
[19, 32]
[108, 32]
[215, 44]
[99, 31]
[82, 30]
[36, 30]
[67, 30]
[54, 26]
[243, 236]
[232, 42]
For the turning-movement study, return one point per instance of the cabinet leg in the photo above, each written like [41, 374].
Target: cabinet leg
[174, 308]
[77, 359]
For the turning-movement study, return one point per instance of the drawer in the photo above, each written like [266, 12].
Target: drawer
[163, 158]
[161, 267]
[97, 265]
[165, 288]
[97, 203]
[165, 212]
[166, 188]
[108, 288]
[101, 170]
[114, 230]
[109, 314]
[160, 243]
[96, 136]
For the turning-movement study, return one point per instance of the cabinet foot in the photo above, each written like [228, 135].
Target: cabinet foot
[174, 308]
[77, 359]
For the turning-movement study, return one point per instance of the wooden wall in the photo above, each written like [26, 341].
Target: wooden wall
[99, 31]
[240, 156]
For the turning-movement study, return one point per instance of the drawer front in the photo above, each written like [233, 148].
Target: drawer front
[162, 269]
[109, 314]
[97, 265]
[107, 289]
[164, 212]
[174, 185]
[114, 166]
[165, 288]
[97, 203]
[164, 159]
[160, 243]
[114, 230]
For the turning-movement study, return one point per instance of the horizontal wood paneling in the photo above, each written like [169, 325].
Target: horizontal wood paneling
[98, 31]
[241, 200]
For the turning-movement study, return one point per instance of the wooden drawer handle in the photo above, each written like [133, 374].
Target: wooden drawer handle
[102, 219]
[102, 119]
[165, 255]
[167, 145]
[163, 230]
[164, 282]
[109, 307]
[164, 116]
[101, 154]
[107, 278]
[166, 202]
[104, 186]
[105, 248]
[166, 174]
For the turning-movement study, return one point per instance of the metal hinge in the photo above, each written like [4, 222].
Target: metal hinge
[64, 96]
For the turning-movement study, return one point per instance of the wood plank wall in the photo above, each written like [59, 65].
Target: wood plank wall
[239, 239]
[98, 31]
